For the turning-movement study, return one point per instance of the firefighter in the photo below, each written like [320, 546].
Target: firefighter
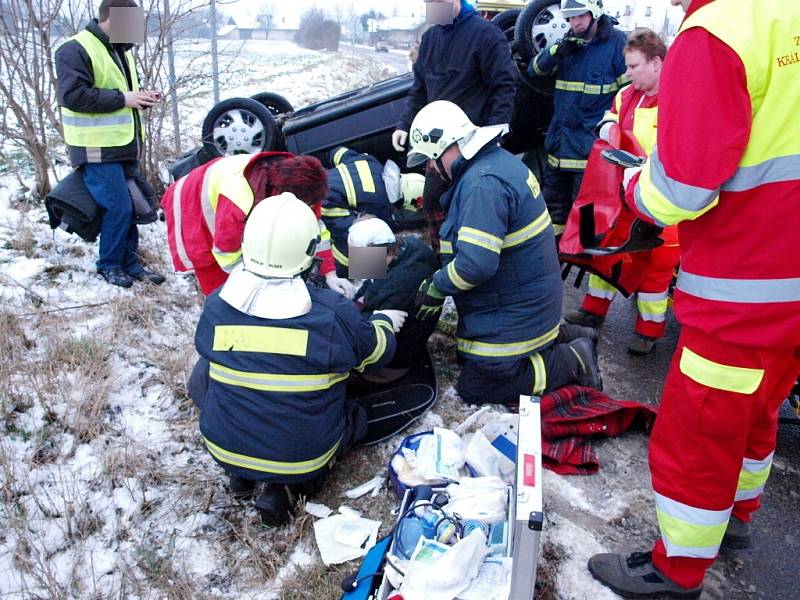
[635, 111]
[499, 264]
[726, 168]
[589, 68]
[206, 211]
[359, 184]
[275, 356]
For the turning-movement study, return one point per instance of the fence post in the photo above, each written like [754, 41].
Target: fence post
[214, 58]
[173, 94]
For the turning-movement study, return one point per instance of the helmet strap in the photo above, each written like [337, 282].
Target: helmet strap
[443, 172]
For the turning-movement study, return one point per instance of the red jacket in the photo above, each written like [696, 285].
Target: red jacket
[191, 242]
[747, 240]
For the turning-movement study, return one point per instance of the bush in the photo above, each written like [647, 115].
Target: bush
[317, 32]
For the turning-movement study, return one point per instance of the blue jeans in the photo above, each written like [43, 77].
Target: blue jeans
[119, 237]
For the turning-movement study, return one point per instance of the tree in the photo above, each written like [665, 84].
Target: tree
[318, 32]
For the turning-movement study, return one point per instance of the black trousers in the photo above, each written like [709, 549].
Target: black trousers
[560, 189]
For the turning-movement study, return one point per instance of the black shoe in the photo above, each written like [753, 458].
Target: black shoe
[145, 275]
[587, 372]
[274, 506]
[641, 345]
[241, 488]
[737, 535]
[635, 576]
[117, 277]
[567, 332]
[584, 318]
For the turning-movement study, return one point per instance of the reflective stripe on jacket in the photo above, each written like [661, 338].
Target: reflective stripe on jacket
[499, 255]
[275, 407]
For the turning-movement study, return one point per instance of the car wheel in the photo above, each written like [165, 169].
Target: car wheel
[506, 21]
[239, 126]
[275, 103]
[539, 25]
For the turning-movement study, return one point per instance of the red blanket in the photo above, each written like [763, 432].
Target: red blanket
[572, 415]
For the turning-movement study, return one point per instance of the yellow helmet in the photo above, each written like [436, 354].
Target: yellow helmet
[280, 237]
[411, 185]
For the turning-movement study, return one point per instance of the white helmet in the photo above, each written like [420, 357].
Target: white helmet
[411, 185]
[280, 237]
[576, 8]
[370, 232]
[436, 127]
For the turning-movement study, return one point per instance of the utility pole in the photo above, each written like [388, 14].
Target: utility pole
[173, 94]
[214, 58]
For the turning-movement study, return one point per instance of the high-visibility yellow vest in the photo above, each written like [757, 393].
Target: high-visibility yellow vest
[101, 130]
[770, 52]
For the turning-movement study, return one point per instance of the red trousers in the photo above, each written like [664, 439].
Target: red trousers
[210, 278]
[712, 444]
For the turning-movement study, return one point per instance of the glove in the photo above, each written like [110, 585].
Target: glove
[398, 317]
[429, 300]
[399, 138]
[566, 47]
[629, 174]
[339, 285]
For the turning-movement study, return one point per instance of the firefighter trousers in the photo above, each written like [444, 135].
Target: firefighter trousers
[712, 445]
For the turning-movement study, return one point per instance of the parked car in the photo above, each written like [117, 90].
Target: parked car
[382, 47]
[365, 118]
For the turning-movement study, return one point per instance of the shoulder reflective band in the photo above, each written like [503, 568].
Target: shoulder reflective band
[253, 338]
[521, 348]
[270, 466]
[274, 382]
[690, 531]
[337, 157]
[718, 376]
[364, 174]
[349, 187]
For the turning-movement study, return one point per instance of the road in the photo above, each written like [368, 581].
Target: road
[397, 59]
[767, 570]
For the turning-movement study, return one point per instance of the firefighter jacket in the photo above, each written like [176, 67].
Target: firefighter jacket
[355, 185]
[92, 76]
[206, 212]
[586, 82]
[275, 407]
[727, 169]
[499, 255]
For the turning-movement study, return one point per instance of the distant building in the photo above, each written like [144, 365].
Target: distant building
[654, 14]
[242, 28]
[284, 29]
[399, 32]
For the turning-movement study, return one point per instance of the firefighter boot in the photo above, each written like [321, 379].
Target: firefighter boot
[274, 506]
[737, 535]
[241, 488]
[567, 332]
[635, 576]
[641, 344]
[584, 318]
[586, 370]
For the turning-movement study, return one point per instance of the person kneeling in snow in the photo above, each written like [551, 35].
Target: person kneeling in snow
[275, 354]
[206, 211]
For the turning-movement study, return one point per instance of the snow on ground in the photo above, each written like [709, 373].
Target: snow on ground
[107, 490]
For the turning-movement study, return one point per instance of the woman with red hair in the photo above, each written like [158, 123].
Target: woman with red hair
[206, 211]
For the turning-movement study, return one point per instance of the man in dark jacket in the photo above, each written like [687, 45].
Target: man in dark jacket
[100, 99]
[589, 66]
[467, 62]
[499, 265]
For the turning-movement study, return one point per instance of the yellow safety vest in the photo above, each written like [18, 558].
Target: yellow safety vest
[101, 130]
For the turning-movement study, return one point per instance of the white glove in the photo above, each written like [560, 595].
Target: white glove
[398, 317]
[341, 286]
[629, 174]
[605, 131]
[399, 138]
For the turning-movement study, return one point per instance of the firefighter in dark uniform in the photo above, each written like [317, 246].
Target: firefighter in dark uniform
[275, 356]
[499, 264]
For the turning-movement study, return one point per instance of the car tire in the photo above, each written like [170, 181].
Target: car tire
[239, 126]
[506, 21]
[545, 15]
[275, 103]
